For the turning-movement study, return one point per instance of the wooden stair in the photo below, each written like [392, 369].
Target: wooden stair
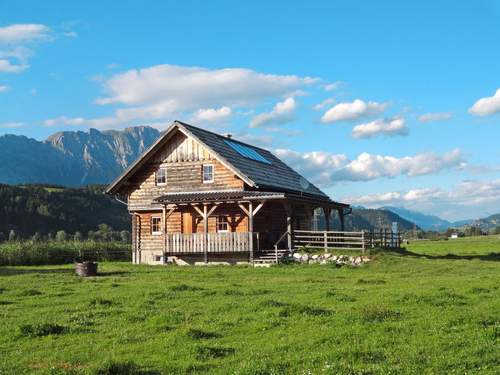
[265, 258]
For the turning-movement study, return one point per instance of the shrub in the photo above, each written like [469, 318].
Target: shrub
[41, 329]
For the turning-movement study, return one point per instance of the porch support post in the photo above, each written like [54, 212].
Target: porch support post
[166, 215]
[250, 229]
[205, 232]
[327, 211]
[342, 219]
[289, 227]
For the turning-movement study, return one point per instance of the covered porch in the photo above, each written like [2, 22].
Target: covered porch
[263, 221]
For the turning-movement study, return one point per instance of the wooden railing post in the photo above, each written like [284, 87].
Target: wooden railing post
[325, 240]
[363, 241]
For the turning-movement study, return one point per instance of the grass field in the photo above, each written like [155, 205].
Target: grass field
[434, 309]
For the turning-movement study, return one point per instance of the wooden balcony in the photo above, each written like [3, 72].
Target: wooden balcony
[230, 242]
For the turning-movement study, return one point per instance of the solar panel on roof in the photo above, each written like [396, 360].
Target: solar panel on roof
[247, 152]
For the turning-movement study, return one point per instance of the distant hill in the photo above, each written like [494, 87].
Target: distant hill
[370, 219]
[364, 218]
[426, 222]
[487, 223]
[72, 158]
[45, 209]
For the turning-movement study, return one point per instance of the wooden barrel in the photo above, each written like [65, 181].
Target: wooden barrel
[86, 269]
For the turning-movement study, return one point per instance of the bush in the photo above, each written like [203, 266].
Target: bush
[27, 253]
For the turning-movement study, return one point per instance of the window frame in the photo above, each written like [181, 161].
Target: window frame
[203, 173]
[225, 221]
[159, 231]
[165, 176]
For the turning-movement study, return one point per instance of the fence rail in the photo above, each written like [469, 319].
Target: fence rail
[346, 240]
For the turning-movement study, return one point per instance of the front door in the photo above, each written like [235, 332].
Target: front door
[187, 222]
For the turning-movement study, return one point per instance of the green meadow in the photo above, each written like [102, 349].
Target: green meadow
[431, 309]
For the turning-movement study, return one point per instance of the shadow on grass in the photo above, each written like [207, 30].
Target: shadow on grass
[11, 271]
[491, 257]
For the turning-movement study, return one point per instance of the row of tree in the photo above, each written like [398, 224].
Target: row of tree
[104, 233]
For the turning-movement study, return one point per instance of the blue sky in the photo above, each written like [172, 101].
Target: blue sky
[379, 103]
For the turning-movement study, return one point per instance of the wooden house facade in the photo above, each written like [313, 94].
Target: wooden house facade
[197, 196]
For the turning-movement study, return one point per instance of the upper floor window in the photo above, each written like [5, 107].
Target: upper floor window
[161, 176]
[208, 173]
[222, 224]
[155, 225]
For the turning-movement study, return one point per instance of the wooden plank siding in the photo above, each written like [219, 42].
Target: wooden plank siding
[183, 158]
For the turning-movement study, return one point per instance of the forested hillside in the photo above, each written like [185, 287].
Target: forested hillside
[28, 209]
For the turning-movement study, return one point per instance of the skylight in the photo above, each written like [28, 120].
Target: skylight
[247, 152]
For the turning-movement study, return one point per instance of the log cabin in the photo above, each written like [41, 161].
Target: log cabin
[199, 197]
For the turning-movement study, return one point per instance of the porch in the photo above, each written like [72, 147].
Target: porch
[210, 225]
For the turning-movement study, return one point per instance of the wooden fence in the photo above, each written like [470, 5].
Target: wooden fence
[346, 240]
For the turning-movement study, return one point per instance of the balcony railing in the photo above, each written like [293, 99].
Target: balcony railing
[230, 242]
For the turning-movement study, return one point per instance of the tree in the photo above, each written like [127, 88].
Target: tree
[78, 236]
[12, 235]
[37, 237]
[61, 236]
[125, 236]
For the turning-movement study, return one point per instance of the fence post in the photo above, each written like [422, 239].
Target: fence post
[363, 239]
[325, 240]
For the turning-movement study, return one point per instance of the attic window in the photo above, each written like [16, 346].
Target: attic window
[161, 176]
[208, 173]
[247, 152]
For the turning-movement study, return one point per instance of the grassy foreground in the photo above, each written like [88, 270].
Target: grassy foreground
[419, 312]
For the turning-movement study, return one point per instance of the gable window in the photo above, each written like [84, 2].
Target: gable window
[161, 176]
[208, 173]
[155, 225]
[222, 224]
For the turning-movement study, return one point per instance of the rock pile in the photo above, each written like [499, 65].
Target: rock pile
[327, 258]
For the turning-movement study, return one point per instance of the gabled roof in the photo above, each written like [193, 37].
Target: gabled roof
[273, 176]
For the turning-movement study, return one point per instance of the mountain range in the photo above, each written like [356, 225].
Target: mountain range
[72, 158]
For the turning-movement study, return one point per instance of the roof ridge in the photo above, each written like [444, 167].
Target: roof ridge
[223, 137]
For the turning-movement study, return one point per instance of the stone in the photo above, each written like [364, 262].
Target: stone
[358, 260]
[297, 255]
[365, 259]
[327, 255]
[315, 256]
[334, 258]
[304, 258]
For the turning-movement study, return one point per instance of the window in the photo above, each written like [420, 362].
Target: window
[161, 176]
[208, 173]
[222, 224]
[155, 225]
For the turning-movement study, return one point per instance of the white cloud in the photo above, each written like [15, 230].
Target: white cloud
[324, 103]
[71, 34]
[282, 113]
[353, 110]
[486, 106]
[333, 86]
[164, 92]
[63, 120]
[7, 67]
[326, 169]
[12, 125]
[4, 88]
[14, 56]
[388, 127]
[435, 116]
[213, 115]
[190, 88]
[23, 33]
[468, 199]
